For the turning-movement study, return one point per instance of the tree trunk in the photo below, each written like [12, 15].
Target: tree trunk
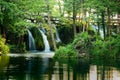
[49, 23]
[3, 31]
[60, 8]
[118, 23]
[79, 22]
[98, 24]
[103, 23]
[87, 26]
[74, 18]
[83, 16]
[108, 23]
[19, 41]
[103, 73]
[83, 27]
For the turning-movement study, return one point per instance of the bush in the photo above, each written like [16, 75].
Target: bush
[85, 43]
[107, 48]
[82, 42]
[4, 49]
[65, 52]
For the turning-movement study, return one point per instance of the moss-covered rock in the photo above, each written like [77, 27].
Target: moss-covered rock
[38, 38]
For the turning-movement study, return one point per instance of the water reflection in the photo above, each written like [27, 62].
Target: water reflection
[36, 68]
[4, 60]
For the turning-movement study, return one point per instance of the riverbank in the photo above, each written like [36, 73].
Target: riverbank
[87, 46]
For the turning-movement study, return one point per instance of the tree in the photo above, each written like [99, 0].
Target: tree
[49, 23]
[72, 7]
[106, 8]
[8, 14]
[61, 8]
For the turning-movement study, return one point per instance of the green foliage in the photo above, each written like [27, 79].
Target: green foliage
[15, 13]
[19, 28]
[79, 45]
[101, 5]
[17, 49]
[81, 37]
[65, 52]
[34, 9]
[9, 13]
[82, 43]
[13, 48]
[85, 43]
[97, 48]
[4, 49]
[68, 4]
[108, 48]
[65, 22]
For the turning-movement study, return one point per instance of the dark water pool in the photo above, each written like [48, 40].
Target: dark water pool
[36, 68]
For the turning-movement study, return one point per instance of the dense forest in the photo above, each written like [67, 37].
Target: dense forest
[85, 27]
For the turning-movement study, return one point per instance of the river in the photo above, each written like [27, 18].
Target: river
[37, 68]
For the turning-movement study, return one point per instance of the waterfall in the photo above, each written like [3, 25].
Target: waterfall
[57, 36]
[31, 41]
[95, 28]
[46, 43]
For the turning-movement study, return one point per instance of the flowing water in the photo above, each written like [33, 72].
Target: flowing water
[31, 41]
[96, 29]
[37, 68]
[57, 36]
[46, 43]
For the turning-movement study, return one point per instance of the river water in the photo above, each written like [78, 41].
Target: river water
[37, 68]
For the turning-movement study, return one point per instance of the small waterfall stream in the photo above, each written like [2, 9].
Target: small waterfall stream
[31, 41]
[46, 43]
[96, 28]
[57, 36]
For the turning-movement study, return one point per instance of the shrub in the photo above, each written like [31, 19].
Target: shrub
[79, 44]
[82, 42]
[65, 52]
[4, 49]
[107, 48]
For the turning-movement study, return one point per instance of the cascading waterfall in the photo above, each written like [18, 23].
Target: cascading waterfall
[31, 41]
[96, 28]
[46, 43]
[57, 36]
